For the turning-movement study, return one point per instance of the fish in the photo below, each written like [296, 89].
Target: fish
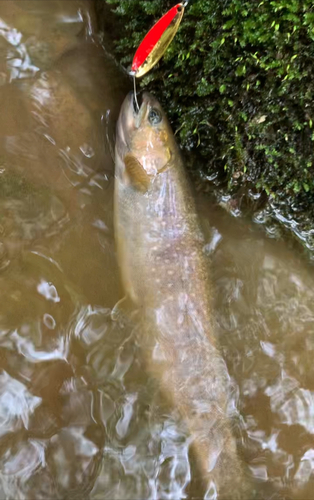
[165, 275]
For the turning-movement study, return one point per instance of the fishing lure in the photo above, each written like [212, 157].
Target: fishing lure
[157, 40]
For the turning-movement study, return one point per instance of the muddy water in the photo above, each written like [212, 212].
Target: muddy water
[79, 417]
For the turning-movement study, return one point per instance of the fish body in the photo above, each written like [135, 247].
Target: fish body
[165, 274]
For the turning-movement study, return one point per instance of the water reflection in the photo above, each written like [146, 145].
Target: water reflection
[79, 416]
[18, 62]
[267, 314]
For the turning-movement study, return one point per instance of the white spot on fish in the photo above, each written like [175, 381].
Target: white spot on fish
[170, 273]
[180, 319]
[170, 285]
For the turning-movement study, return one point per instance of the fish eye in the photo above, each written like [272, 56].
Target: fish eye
[154, 116]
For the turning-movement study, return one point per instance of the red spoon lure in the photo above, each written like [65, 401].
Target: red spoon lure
[157, 40]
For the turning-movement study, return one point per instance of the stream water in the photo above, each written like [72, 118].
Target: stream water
[79, 417]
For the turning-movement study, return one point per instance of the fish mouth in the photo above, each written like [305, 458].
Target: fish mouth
[130, 118]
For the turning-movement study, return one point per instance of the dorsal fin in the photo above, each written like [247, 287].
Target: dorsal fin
[136, 172]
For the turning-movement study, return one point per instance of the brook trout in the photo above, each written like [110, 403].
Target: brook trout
[165, 274]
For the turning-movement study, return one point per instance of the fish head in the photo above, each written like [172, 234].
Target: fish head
[144, 136]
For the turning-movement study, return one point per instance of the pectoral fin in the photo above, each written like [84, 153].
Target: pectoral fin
[136, 173]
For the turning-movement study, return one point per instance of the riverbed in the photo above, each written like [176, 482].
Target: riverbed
[79, 417]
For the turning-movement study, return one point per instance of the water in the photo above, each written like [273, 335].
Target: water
[79, 417]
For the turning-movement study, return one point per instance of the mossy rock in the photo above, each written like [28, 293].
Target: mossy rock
[238, 86]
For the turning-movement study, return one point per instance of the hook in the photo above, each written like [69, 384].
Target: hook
[135, 98]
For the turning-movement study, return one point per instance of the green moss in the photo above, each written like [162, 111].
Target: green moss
[238, 84]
